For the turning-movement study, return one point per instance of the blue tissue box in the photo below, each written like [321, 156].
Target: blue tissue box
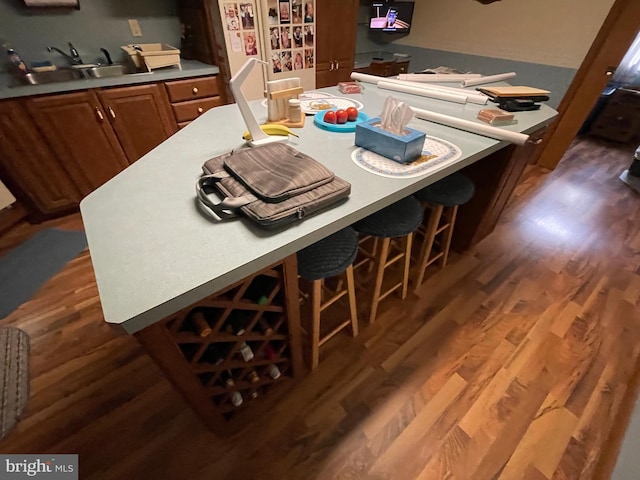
[401, 148]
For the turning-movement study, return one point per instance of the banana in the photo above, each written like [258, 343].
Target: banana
[272, 129]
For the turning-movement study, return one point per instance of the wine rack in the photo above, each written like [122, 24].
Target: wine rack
[231, 349]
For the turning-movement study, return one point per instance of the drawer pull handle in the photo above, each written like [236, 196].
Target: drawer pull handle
[111, 112]
[195, 90]
[99, 114]
[200, 110]
[337, 65]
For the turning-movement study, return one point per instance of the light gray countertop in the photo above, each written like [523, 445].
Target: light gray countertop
[155, 253]
[9, 88]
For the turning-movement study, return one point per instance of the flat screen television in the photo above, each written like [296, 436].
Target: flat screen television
[391, 17]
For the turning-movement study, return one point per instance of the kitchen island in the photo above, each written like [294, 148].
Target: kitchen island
[156, 255]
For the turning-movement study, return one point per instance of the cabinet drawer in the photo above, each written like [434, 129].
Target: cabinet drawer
[186, 111]
[192, 88]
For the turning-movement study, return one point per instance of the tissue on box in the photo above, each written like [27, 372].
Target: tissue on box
[401, 148]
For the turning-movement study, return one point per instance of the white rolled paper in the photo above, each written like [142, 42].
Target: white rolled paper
[481, 129]
[488, 79]
[437, 77]
[450, 97]
[472, 97]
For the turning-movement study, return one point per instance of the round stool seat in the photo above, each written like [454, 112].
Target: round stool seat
[453, 190]
[330, 256]
[396, 220]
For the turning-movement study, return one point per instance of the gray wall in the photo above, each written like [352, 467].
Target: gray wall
[553, 78]
[98, 23]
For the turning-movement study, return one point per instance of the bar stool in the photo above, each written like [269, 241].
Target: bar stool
[397, 221]
[442, 199]
[327, 258]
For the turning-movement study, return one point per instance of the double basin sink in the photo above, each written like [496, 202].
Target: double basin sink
[78, 72]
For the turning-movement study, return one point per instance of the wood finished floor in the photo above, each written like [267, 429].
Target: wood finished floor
[512, 363]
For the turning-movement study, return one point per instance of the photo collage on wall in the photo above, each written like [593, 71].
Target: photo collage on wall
[240, 23]
[291, 25]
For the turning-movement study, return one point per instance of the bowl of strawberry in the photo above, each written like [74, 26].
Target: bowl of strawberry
[340, 120]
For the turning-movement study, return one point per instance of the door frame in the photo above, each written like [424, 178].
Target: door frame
[609, 47]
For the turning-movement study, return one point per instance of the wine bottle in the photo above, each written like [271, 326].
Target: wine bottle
[227, 378]
[253, 394]
[264, 326]
[253, 376]
[246, 352]
[259, 289]
[273, 371]
[236, 399]
[214, 354]
[236, 324]
[200, 324]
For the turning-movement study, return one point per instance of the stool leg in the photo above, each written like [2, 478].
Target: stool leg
[316, 299]
[382, 260]
[446, 240]
[427, 245]
[407, 262]
[352, 300]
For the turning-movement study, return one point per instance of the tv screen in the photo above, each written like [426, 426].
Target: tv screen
[391, 17]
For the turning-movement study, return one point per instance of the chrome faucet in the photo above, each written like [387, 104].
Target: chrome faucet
[74, 58]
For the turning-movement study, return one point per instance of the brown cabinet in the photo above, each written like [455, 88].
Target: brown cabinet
[619, 119]
[76, 127]
[29, 167]
[335, 40]
[191, 98]
[139, 116]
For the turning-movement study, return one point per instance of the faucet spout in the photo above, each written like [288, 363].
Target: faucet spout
[73, 59]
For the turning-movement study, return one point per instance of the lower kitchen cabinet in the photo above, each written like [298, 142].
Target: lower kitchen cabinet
[140, 116]
[29, 167]
[76, 127]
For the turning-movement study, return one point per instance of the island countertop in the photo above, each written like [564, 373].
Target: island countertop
[153, 250]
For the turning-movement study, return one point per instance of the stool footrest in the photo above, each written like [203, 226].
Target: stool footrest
[333, 332]
[333, 300]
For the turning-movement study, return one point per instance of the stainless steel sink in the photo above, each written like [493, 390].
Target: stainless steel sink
[102, 71]
[60, 75]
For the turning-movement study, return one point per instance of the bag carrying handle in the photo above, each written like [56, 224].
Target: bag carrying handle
[224, 209]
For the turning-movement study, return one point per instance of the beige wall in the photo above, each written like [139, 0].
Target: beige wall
[550, 32]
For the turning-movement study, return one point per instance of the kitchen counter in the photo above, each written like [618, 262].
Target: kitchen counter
[190, 68]
[363, 60]
[155, 253]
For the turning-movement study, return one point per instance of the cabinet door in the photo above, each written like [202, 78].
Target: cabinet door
[77, 129]
[336, 25]
[29, 166]
[141, 117]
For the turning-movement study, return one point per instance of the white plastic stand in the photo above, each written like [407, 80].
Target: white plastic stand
[258, 137]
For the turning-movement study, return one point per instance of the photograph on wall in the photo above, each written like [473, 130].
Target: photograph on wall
[298, 60]
[297, 36]
[308, 12]
[276, 62]
[285, 58]
[246, 16]
[274, 35]
[272, 7]
[235, 40]
[296, 11]
[285, 11]
[285, 37]
[308, 35]
[231, 16]
[308, 58]
[250, 46]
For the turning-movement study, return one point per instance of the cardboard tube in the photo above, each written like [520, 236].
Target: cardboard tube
[472, 97]
[450, 97]
[437, 77]
[481, 129]
[489, 79]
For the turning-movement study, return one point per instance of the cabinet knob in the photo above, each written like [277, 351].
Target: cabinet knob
[99, 114]
[200, 110]
[111, 112]
[195, 90]
[337, 65]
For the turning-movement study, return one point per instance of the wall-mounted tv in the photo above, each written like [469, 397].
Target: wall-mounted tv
[391, 17]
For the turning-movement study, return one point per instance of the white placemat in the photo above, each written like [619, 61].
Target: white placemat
[436, 154]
